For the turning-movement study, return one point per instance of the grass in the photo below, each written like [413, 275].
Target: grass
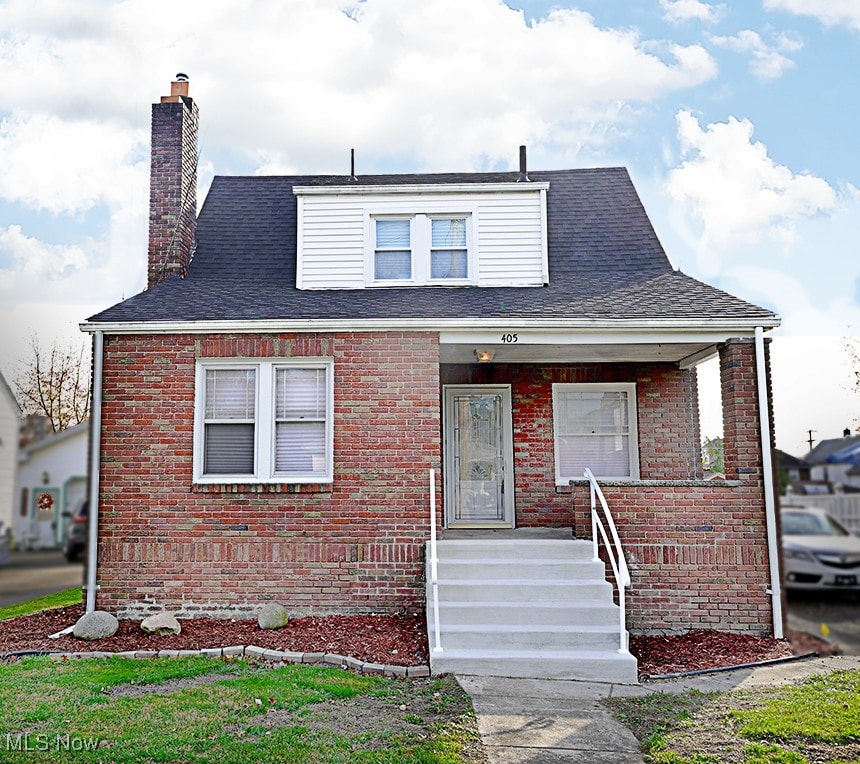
[817, 720]
[199, 710]
[59, 599]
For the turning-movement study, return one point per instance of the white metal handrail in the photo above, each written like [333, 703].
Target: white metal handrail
[434, 565]
[614, 550]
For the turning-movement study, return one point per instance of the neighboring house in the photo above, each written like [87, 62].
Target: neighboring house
[271, 406]
[10, 419]
[52, 481]
[834, 475]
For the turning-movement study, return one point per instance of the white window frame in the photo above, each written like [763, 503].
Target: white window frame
[264, 442]
[633, 439]
[420, 240]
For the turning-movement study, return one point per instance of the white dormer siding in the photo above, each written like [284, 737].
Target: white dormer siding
[497, 235]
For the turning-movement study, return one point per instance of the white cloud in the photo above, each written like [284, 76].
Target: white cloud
[829, 12]
[304, 80]
[67, 166]
[767, 62]
[690, 10]
[735, 190]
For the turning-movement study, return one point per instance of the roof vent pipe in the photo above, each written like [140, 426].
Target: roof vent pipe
[524, 176]
[352, 177]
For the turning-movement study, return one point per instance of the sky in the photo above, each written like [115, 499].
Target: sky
[736, 120]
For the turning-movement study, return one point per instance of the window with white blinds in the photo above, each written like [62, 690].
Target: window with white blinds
[595, 427]
[229, 421]
[421, 249]
[264, 421]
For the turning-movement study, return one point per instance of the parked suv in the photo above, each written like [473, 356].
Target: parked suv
[76, 532]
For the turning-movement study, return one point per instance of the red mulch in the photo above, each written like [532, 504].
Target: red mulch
[386, 639]
[706, 649]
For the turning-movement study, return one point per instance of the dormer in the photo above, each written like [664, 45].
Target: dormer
[422, 234]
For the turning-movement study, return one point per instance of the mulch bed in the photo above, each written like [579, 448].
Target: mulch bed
[705, 649]
[387, 639]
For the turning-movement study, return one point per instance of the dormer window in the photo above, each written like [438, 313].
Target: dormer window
[421, 249]
[364, 236]
[392, 255]
[449, 251]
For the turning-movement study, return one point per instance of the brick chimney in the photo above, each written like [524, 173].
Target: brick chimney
[172, 184]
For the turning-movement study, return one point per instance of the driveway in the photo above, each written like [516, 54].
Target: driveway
[34, 574]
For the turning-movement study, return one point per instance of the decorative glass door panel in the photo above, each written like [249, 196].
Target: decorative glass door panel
[479, 474]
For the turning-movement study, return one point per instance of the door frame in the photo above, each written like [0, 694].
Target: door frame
[448, 429]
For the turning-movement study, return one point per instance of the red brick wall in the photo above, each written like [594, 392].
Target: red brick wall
[353, 546]
[696, 550]
[697, 555]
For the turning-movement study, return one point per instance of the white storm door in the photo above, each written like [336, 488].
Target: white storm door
[479, 474]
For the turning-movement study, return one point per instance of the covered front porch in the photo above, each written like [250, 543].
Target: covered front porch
[701, 553]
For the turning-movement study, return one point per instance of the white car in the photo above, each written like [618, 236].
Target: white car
[818, 552]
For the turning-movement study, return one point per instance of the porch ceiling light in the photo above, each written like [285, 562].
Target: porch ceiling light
[484, 356]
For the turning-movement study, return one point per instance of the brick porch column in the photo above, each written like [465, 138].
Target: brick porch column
[741, 427]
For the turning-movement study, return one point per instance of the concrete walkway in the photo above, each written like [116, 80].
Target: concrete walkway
[541, 721]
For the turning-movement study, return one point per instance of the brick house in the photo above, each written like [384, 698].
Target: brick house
[309, 348]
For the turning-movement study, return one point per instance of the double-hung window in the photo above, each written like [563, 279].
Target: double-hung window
[595, 427]
[264, 421]
[392, 252]
[421, 249]
[449, 253]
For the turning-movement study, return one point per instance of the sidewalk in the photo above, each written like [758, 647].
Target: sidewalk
[543, 721]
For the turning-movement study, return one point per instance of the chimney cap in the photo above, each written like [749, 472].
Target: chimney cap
[181, 77]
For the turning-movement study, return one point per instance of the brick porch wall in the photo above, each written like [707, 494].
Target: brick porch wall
[354, 546]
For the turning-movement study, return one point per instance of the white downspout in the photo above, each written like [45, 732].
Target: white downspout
[767, 480]
[95, 454]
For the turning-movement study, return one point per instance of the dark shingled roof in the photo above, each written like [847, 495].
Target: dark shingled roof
[605, 261]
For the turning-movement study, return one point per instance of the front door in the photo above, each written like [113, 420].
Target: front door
[479, 475]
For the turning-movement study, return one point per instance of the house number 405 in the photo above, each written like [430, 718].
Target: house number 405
[510, 338]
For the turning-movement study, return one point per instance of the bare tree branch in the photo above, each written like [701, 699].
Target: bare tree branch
[56, 384]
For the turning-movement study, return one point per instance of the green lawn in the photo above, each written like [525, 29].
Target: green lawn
[815, 721]
[200, 710]
[60, 599]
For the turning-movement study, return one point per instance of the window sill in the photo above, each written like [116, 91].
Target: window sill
[261, 487]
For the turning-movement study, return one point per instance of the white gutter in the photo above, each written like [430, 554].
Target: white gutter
[95, 453]
[767, 479]
[731, 327]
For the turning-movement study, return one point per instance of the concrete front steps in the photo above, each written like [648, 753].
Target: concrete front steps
[526, 607]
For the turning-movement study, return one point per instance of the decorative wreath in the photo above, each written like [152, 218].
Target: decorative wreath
[45, 500]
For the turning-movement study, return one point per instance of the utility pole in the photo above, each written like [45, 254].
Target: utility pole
[811, 441]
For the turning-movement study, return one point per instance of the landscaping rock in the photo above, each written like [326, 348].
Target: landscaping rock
[161, 623]
[273, 616]
[96, 625]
